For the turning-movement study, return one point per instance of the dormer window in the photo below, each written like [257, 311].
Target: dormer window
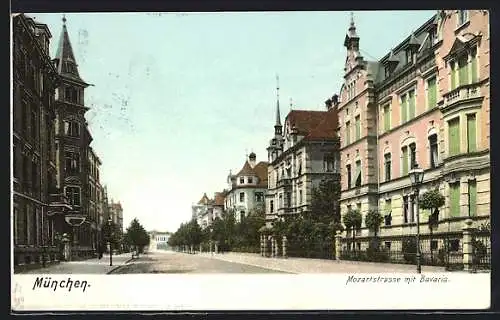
[387, 71]
[432, 36]
[242, 180]
[250, 180]
[409, 56]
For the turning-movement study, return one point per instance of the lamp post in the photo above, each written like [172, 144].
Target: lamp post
[109, 241]
[211, 240]
[417, 177]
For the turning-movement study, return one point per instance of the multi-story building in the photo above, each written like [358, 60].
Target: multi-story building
[72, 147]
[206, 210]
[425, 102]
[95, 198]
[247, 188]
[302, 155]
[116, 214]
[37, 201]
[158, 240]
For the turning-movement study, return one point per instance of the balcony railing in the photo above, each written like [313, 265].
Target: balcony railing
[462, 93]
[284, 182]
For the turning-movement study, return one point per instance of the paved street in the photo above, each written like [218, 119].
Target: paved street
[174, 262]
[90, 266]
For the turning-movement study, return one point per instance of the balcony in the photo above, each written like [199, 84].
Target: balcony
[462, 94]
[58, 203]
[285, 182]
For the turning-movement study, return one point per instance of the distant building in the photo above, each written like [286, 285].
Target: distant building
[95, 197]
[158, 240]
[206, 210]
[302, 155]
[116, 214]
[247, 188]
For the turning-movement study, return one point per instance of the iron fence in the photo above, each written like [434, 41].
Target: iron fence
[317, 249]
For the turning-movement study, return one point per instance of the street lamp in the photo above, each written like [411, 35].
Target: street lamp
[211, 231]
[110, 236]
[417, 177]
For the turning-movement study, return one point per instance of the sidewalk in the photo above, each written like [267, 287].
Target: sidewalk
[90, 266]
[304, 265]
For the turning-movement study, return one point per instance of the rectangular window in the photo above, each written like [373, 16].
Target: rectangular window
[349, 176]
[405, 209]
[280, 197]
[387, 165]
[300, 196]
[411, 104]
[463, 17]
[358, 173]
[328, 163]
[404, 108]
[271, 206]
[34, 177]
[387, 117]
[242, 180]
[473, 65]
[463, 74]
[73, 194]
[387, 245]
[34, 127]
[250, 180]
[471, 133]
[455, 199]
[431, 93]
[357, 122]
[413, 155]
[404, 161]
[347, 132]
[453, 75]
[472, 198]
[242, 196]
[24, 117]
[388, 206]
[288, 203]
[433, 143]
[454, 136]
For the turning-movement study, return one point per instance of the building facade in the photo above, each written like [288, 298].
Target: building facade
[426, 102]
[247, 188]
[95, 198]
[300, 156]
[37, 200]
[158, 240]
[206, 210]
[73, 140]
[116, 214]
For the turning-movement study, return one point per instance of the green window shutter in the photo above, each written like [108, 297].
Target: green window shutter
[472, 198]
[455, 199]
[431, 93]
[463, 74]
[471, 133]
[405, 161]
[387, 118]
[358, 128]
[453, 77]
[453, 137]
[403, 109]
[411, 101]
[473, 68]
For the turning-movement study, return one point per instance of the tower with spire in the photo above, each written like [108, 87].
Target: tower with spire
[276, 143]
[351, 42]
[73, 140]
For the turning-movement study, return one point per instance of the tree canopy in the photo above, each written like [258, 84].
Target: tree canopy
[136, 235]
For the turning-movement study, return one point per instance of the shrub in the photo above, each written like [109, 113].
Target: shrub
[409, 249]
[479, 251]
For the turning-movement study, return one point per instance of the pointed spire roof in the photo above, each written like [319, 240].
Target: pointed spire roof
[352, 28]
[278, 116]
[67, 65]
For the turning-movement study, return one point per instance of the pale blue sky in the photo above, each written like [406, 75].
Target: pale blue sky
[178, 98]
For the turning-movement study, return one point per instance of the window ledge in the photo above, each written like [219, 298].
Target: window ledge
[462, 26]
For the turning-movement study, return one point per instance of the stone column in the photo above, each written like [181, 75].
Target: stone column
[284, 246]
[265, 245]
[338, 244]
[272, 247]
[467, 248]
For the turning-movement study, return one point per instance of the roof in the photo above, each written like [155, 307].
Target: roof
[261, 172]
[246, 170]
[204, 199]
[303, 121]
[219, 199]
[327, 128]
[67, 65]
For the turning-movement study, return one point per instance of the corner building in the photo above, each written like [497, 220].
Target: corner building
[427, 102]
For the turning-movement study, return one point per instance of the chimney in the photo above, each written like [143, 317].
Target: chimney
[252, 159]
[335, 100]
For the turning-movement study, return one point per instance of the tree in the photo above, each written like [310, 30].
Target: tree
[352, 221]
[136, 236]
[432, 200]
[373, 220]
[325, 201]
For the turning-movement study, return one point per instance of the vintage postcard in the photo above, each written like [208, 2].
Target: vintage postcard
[250, 160]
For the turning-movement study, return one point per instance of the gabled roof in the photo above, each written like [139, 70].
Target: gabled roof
[327, 128]
[219, 199]
[303, 121]
[204, 199]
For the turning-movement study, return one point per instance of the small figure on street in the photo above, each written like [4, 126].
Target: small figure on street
[100, 250]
